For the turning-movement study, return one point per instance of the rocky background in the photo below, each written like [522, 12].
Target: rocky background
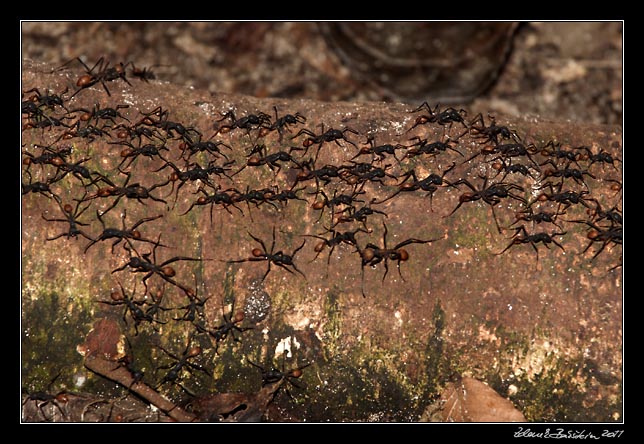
[472, 320]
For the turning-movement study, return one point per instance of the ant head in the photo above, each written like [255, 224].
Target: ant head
[318, 205]
[67, 208]
[403, 255]
[319, 246]
[257, 252]
[193, 351]
[117, 296]
[542, 197]
[85, 80]
[127, 152]
[592, 234]
[239, 316]
[253, 161]
[168, 271]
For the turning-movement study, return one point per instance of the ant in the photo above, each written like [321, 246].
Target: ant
[517, 168]
[359, 215]
[197, 172]
[605, 235]
[89, 132]
[204, 146]
[282, 123]
[44, 399]
[330, 135]
[337, 238]
[277, 376]
[492, 132]
[359, 173]
[429, 184]
[79, 171]
[127, 234]
[181, 363]
[131, 153]
[98, 113]
[194, 307]
[325, 174]
[48, 100]
[528, 215]
[347, 200]
[491, 195]
[144, 74]
[431, 149]
[372, 254]
[257, 197]
[142, 264]
[575, 174]
[286, 195]
[222, 198]
[132, 306]
[247, 122]
[614, 215]
[553, 149]
[271, 160]
[39, 187]
[601, 157]
[508, 150]
[533, 240]
[229, 327]
[447, 116]
[71, 215]
[136, 131]
[565, 198]
[133, 191]
[168, 126]
[49, 156]
[278, 258]
[104, 73]
[379, 151]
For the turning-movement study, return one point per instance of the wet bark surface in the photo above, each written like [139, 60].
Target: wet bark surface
[332, 336]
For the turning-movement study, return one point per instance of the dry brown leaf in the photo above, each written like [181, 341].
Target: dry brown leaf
[471, 400]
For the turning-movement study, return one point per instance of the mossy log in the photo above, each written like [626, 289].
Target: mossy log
[540, 322]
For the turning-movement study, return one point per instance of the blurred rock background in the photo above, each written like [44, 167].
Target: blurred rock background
[553, 70]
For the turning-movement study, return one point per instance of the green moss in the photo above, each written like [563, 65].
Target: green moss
[52, 327]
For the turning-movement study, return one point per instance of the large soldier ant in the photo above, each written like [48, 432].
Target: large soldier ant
[104, 73]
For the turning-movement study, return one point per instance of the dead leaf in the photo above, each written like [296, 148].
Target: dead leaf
[105, 340]
[471, 400]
